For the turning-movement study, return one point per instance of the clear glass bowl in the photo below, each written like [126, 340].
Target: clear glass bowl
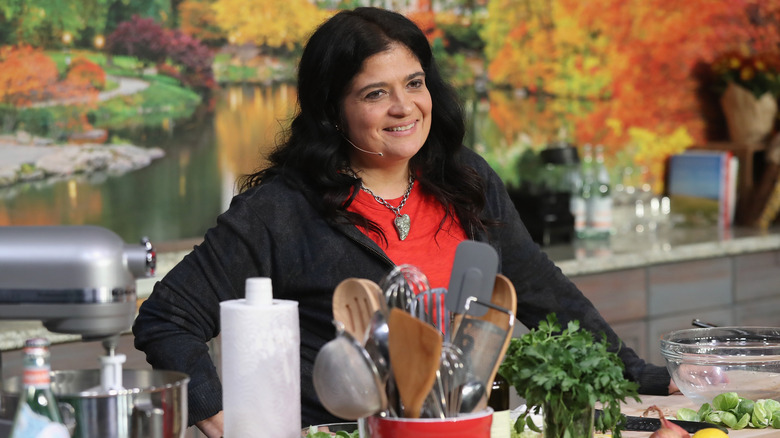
[705, 362]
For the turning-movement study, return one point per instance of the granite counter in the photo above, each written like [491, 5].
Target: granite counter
[582, 258]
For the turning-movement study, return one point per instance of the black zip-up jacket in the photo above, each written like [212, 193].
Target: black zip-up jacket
[272, 231]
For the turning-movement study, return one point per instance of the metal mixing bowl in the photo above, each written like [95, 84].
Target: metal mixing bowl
[705, 362]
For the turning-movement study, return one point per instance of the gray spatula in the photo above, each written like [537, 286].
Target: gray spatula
[473, 275]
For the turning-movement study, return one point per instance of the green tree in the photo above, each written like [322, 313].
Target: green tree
[43, 22]
[120, 11]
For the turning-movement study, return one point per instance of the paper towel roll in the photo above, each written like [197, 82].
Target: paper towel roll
[261, 369]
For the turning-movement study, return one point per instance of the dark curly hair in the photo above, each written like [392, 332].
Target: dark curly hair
[315, 153]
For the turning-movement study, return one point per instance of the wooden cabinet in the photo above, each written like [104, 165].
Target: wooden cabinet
[641, 304]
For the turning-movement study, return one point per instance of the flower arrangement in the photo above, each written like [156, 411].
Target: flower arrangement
[759, 73]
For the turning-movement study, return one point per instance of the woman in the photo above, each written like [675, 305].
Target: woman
[373, 174]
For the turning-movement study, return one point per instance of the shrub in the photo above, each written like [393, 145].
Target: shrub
[84, 71]
[194, 58]
[140, 37]
[26, 75]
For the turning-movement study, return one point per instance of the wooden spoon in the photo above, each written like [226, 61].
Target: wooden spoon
[504, 295]
[376, 294]
[353, 305]
[415, 351]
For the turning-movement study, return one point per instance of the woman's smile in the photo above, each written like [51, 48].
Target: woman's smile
[402, 128]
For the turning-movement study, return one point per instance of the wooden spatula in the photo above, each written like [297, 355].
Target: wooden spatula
[504, 295]
[415, 352]
[353, 305]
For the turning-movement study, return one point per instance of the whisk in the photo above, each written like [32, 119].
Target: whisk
[402, 285]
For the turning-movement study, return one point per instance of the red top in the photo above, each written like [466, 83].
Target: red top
[426, 247]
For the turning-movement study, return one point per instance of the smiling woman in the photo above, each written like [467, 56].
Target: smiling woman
[372, 173]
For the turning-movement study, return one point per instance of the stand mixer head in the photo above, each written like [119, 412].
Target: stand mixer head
[75, 279]
[82, 280]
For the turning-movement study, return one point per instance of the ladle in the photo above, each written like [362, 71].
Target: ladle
[415, 352]
[353, 305]
[376, 344]
[345, 378]
[471, 395]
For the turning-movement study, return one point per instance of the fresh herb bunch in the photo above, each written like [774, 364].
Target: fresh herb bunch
[566, 372]
[735, 412]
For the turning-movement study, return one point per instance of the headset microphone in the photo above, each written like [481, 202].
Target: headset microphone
[363, 150]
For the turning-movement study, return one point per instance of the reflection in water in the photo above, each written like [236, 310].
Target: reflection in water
[180, 195]
[246, 124]
[176, 197]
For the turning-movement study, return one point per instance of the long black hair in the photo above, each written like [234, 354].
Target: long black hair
[315, 153]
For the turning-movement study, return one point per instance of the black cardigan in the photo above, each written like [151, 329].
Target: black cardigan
[272, 231]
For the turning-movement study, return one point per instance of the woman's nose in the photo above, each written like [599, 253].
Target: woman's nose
[402, 104]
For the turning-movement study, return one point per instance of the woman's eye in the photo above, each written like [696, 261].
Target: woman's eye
[417, 83]
[376, 94]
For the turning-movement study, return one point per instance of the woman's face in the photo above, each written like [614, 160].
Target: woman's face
[387, 107]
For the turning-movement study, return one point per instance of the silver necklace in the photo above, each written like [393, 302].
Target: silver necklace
[402, 222]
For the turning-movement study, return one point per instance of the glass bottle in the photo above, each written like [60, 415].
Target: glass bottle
[499, 401]
[601, 199]
[577, 206]
[499, 395]
[38, 414]
[583, 229]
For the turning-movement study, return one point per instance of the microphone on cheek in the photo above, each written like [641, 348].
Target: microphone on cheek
[363, 150]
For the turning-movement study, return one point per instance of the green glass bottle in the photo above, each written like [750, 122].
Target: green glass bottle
[499, 401]
[499, 395]
[37, 414]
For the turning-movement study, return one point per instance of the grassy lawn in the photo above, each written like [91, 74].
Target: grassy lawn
[164, 99]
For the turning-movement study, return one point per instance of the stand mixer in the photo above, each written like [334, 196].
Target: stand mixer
[81, 280]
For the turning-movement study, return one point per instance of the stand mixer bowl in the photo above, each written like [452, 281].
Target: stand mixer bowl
[152, 405]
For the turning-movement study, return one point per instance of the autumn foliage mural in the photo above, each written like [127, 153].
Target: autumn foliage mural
[632, 66]
[636, 76]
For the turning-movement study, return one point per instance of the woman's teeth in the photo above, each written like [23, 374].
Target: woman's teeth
[401, 128]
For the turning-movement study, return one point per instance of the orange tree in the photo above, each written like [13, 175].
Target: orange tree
[638, 56]
[25, 75]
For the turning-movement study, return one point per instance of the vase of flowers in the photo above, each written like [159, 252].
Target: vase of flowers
[749, 87]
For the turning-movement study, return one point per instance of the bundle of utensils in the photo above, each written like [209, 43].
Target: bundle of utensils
[403, 349]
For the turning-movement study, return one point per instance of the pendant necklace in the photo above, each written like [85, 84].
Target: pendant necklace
[402, 222]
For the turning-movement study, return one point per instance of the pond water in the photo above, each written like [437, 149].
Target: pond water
[177, 197]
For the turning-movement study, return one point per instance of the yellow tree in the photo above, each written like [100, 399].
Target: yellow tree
[272, 23]
[198, 19]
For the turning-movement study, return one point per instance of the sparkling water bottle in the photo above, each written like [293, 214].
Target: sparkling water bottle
[38, 414]
[601, 198]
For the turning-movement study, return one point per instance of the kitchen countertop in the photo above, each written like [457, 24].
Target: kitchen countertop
[579, 258]
[670, 246]
[669, 406]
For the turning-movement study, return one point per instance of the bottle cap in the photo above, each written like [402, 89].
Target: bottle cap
[37, 343]
[259, 291]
